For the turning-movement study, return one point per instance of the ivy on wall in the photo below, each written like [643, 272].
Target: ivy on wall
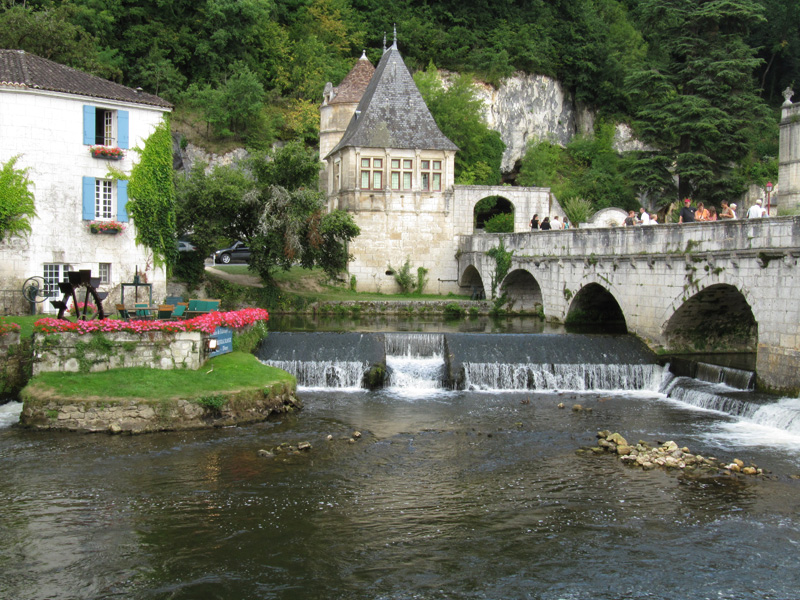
[152, 196]
[502, 259]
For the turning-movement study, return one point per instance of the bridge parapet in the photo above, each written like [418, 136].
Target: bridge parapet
[759, 235]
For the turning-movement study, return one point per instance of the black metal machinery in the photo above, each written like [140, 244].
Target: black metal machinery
[34, 290]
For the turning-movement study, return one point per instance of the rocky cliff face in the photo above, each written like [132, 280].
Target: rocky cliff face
[535, 107]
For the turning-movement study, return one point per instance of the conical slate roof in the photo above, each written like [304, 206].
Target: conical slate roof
[392, 113]
[22, 69]
[352, 87]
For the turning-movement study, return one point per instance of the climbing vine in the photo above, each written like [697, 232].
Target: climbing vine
[152, 196]
[502, 259]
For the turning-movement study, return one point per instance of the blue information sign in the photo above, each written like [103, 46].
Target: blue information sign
[224, 337]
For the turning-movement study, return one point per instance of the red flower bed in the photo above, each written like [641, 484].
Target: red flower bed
[6, 327]
[206, 323]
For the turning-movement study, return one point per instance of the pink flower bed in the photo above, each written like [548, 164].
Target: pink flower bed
[205, 323]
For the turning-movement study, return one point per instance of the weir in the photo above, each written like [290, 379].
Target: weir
[465, 361]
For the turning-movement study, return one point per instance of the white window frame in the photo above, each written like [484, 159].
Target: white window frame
[104, 272]
[105, 129]
[105, 200]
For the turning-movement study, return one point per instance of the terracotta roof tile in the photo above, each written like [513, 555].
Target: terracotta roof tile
[21, 69]
[355, 83]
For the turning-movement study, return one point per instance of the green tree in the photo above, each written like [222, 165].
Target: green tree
[152, 196]
[17, 206]
[697, 105]
[457, 112]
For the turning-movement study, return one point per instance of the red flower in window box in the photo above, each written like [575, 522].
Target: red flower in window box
[108, 227]
[107, 152]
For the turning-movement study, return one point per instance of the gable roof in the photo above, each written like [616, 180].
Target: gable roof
[22, 69]
[392, 113]
[352, 87]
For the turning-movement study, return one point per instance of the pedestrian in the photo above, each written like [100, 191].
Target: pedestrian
[701, 214]
[756, 211]
[644, 218]
[727, 211]
[733, 211]
[712, 214]
[535, 222]
[545, 226]
[630, 220]
[567, 224]
[687, 214]
[556, 224]
[654, 219]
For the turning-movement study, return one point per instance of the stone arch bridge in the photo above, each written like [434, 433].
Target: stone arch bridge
[700, 287]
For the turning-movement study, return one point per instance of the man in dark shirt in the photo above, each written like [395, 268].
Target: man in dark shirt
[686, 214]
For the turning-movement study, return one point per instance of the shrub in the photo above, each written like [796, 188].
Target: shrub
[502, 223]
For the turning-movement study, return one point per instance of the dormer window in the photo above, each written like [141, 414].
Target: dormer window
[105, 127]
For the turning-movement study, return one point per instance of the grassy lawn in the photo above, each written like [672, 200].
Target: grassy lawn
[226, 373]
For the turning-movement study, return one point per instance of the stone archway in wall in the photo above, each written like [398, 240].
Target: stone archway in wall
[716, 319]
[471, 283]
[523, 291]
[490, 207]
[595, 310]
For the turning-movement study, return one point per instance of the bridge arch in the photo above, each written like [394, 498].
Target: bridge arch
[595, 309]
[523, 290]
[718, 317]
[472, 280]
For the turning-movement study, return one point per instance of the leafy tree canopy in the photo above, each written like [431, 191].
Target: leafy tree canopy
[457, 111]
[17, 206]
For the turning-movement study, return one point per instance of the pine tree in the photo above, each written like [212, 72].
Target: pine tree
[697, 105]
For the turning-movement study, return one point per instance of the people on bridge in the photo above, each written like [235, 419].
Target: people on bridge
[756, 211]
[733, 211]
[535, 222]
[653, 219]
[630, 220]
[545, 226]
[712, 213]
[687, 214]
[556, 223]
[567, 224]
[644, 218]
[701, 214]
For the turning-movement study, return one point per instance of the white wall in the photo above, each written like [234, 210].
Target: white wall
[46, 130]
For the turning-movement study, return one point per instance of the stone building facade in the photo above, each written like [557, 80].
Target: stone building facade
[52, 116]
[388, 165]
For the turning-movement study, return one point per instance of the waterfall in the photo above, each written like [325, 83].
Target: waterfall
[757, 408]
[415, 362]
[324, 374]
[735, 378]
[577, 377]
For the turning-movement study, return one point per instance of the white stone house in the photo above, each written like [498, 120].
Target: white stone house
[52, 116]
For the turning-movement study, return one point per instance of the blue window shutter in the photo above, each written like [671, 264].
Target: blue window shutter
[88, 125]
[88, 198]
[122, 201]
[122, 129]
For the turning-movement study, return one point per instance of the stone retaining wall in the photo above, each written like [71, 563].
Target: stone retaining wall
[72, 352]
[93, 415]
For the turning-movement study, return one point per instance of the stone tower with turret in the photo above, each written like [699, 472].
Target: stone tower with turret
[392, 169]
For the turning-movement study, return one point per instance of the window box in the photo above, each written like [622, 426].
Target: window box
[106, 227]
[107, 152]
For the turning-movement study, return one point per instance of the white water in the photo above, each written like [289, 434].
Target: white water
[324, 374]
[497, 376]
[9, 414]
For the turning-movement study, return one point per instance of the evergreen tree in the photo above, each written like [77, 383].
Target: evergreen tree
[698, 104]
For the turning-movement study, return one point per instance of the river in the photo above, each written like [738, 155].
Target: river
[446, 494]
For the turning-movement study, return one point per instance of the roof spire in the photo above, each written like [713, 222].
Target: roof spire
[395, 37]
[384, 42]
[363, 55]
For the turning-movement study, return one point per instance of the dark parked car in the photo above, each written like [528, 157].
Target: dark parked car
[238, 252]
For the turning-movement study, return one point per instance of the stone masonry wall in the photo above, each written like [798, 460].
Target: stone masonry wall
[71, 352]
